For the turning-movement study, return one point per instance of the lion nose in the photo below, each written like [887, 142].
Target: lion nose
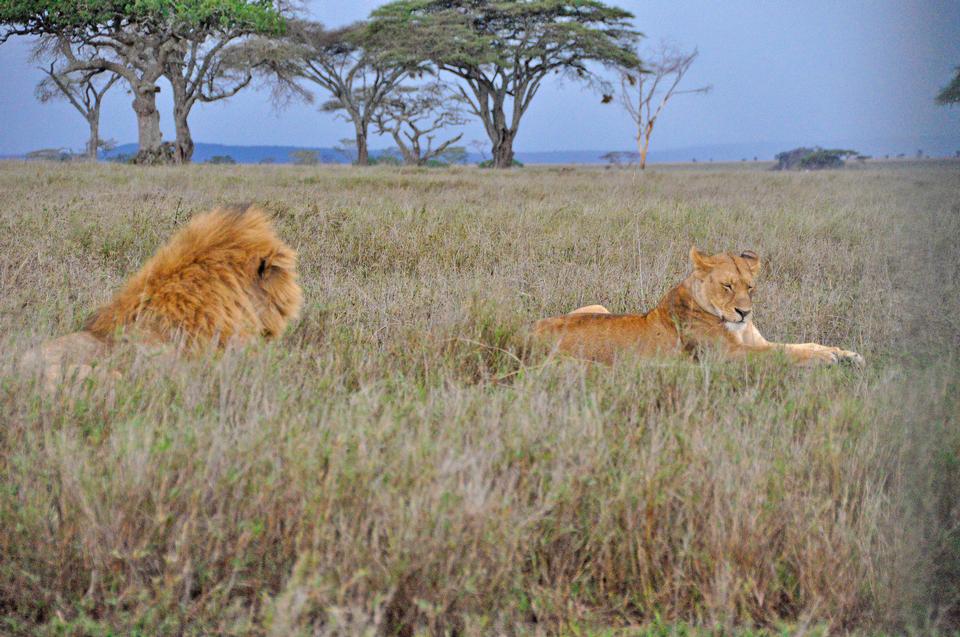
[743, 313]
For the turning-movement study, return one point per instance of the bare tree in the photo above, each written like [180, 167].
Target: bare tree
[646, 89]
[414, 115]
[84, 90]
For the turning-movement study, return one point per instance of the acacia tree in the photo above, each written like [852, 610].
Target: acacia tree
[646, 90]
[135, 40]
[211, 63]
[204, 72]
[414, 115]
[83, 90]
[141, 70]
[503, 50]
[345, 62]
[950, 94]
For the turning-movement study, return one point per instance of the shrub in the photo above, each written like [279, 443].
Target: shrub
[488, 163]
[305, 157]
[813, 158]
[163, 155]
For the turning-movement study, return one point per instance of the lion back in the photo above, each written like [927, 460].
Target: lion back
[225, 275]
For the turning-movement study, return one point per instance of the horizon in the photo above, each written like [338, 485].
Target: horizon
[761, 152]
[859, 74]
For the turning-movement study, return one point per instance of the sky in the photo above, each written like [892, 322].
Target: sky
[814, 72]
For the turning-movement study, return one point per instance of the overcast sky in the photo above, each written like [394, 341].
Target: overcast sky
[817, 72]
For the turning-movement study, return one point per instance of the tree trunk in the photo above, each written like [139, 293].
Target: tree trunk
[183, 153]
[643, 143]
[148, 118]
[409, 158]
[416, 153]
[642, 146]
[363, 158]
[183, 147]
[93, 119]
[503, 149]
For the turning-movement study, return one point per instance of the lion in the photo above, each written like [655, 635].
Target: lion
[225, 277]
[711, 307]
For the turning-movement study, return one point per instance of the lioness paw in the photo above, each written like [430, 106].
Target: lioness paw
[836, 355]
[812, 353]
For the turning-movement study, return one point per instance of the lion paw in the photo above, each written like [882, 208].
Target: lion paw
[836, 355]
[831, 355]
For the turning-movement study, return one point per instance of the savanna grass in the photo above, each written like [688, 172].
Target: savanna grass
[404, 461]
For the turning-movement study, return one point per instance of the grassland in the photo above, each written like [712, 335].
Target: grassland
[401, 462]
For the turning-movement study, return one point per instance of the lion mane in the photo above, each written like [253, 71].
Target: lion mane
[226, 276]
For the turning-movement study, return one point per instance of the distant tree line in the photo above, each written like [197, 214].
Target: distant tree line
[413, 69]
[815, 158]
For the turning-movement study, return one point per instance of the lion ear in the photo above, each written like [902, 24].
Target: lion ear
[277, 260]
[699, 260]
[752, 259]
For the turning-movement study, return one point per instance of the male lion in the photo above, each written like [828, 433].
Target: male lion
[712, 306]
[225, 276]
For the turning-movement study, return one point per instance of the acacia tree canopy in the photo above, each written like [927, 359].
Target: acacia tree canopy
[502, 50]
[951, 92]
[79, 17]
[347, 63]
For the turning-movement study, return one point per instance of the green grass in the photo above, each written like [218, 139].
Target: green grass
[402, 461]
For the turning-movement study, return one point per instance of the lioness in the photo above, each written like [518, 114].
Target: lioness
[712, 306]
[225, 276]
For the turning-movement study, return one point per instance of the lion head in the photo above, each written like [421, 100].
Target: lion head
[723, 283]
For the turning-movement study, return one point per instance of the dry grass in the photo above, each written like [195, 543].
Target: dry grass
[401, 462]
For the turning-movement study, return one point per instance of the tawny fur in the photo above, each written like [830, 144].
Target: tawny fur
[224, 277]
[712, 307]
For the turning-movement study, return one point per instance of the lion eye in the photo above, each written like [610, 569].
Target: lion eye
[728, 286]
